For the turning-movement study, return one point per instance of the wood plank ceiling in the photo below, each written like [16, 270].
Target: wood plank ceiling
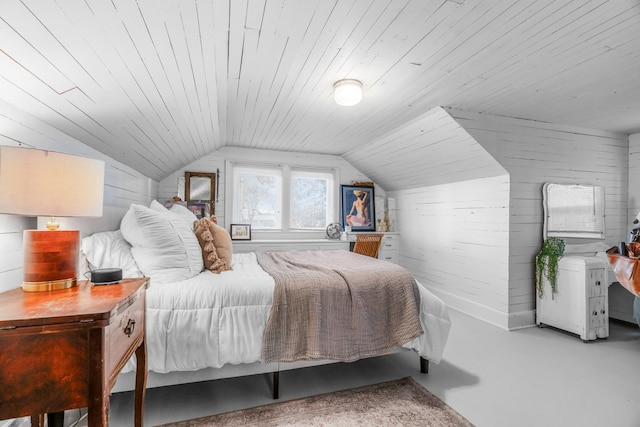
[156, 84]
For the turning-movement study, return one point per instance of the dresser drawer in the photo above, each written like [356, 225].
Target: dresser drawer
[124, 333]
[389, 241]
[390, 256]
[596, 285]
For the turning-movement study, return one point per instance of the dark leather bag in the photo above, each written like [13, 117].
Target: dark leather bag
[626, 267]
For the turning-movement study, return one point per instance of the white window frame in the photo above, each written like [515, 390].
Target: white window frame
[327, 174]
[285, 206]
[267, 170]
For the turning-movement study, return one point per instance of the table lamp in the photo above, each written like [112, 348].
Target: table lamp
[45, 183]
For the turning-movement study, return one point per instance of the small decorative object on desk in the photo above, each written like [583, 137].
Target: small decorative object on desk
[383, 223]
[334, 230]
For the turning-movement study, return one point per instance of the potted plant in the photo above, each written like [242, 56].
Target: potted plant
[547, 264]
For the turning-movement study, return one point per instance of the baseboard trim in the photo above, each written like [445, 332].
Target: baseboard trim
[507, 321]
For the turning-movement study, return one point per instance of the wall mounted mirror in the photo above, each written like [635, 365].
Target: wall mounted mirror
[200, 187]
[573, 211]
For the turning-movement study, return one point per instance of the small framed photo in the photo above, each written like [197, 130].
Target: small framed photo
[199, 209]
[240, 231]
[357, 207]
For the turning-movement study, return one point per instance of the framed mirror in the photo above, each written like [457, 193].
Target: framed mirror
[200, 187]
[573, 211]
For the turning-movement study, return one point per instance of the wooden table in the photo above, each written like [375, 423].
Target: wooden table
[64, 349]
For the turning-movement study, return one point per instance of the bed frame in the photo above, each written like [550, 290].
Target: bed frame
[126, 381]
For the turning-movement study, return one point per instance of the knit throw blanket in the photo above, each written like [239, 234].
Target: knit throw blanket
[337, 305]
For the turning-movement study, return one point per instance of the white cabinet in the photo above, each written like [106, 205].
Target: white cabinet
[243, 246]
[581, 303]
[389, 247]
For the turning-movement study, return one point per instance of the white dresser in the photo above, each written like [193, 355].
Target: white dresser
[581, 305]
[575, 214]
[389, 247]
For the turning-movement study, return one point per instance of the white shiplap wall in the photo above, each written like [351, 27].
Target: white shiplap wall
[429, 150]
[123, 185]
[454, 238]
[535, 153]
[345, 172]
[530, 153]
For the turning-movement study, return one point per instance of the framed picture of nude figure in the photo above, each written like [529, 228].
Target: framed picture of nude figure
[357, 208]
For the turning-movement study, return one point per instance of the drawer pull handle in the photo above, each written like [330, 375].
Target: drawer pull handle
[128, 330]
[598, 283]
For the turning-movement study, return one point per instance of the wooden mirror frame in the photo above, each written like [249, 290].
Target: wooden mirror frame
[212, 190]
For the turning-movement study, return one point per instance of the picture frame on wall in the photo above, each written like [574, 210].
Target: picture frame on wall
[357, 207]
[240, 231]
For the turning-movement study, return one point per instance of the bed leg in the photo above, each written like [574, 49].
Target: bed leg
[424, 365]
[276, 385]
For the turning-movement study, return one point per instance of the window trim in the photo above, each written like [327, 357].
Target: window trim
[331, 194]
[285, 216]
[279, 173]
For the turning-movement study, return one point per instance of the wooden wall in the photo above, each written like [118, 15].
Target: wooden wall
[535, 153]
[531, 154]
[432, 149]
[454, 238]
[123, 185]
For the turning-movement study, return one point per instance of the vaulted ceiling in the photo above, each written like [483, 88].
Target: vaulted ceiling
[156, 84]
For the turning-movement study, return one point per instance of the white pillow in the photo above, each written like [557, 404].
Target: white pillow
[163, 244]
[108, 249]
[180, 211]
[157, 206]
[184, 213]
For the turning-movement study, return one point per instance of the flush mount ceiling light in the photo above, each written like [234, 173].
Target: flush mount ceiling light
[347, 92]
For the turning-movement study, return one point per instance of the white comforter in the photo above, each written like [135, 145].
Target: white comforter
[212, 319]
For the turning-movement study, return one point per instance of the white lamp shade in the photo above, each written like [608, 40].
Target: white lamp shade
[347, 92]
[45, 183]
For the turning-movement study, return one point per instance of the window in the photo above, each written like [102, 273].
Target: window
[257, 197]
[311, 202]
[260, 192]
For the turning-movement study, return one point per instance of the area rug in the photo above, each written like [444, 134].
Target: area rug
[395, 403]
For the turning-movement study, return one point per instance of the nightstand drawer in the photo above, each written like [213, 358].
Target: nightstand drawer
[124, 333]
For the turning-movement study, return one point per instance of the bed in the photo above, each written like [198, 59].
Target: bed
[203, 325]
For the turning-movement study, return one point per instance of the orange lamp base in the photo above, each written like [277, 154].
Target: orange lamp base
[50, 259]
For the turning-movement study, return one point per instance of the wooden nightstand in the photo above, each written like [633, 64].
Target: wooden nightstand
[64, 349]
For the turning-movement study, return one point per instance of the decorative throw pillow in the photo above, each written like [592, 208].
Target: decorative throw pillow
[163, 244]
[215, 243]
[108, 249]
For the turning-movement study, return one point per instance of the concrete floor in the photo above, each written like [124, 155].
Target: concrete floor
[495, 378]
